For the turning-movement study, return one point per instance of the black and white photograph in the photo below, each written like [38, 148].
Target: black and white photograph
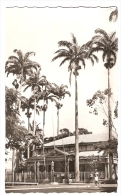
[61, 68]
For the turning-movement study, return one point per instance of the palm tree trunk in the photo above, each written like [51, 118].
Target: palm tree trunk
[43, 143]
[13, 164]
[57, 121]
[19, 108]
[28, 148]
[76, 133]
[34, 152]
[110, 126]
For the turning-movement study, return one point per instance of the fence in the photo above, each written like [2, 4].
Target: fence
[47, 176]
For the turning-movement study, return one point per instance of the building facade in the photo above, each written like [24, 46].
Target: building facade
[58, 160]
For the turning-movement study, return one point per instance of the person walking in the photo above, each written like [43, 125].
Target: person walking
[96, 177]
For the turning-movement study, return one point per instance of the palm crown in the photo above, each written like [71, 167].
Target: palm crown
[106, 43]
[27, 104]
[35, 81]
[21, 65]
[74, 54]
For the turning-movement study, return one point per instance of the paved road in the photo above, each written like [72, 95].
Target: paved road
[60, 189]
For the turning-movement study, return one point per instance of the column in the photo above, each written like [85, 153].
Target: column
[35, 170]
[52, 171]
[67, 170]
[38, 164]
[106, 171]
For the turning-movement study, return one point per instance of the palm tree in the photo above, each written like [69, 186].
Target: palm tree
[21, 66]
[108, 44]
[74, 54]
[59, 91]
[35, 82]
[27, 104]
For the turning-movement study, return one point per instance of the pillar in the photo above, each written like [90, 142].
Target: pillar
[35, 170]
[106, 170]
[67, 170]
[52, 171]
[38, 164]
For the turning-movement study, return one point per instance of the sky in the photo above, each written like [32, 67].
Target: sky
[39, 30]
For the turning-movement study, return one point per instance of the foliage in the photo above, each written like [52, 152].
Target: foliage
[74, 54]
[109, 146]
[109, 181]
[27, 104]
[107, 43]
[13, 123]
[59, 91]
[21, 65]
[83, 131]
[98, 102]
[35, 81]
[114, 15]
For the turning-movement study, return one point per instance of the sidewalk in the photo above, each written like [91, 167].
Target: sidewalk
[60, 185]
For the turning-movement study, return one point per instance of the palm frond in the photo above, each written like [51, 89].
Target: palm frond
[63, 86]
[60, 55]
[112, 35]
[26, 88]
[112, 14]
[91, 60]
[28, 54]
[102, 32]
[74, 39]
[62, 50]
[64, 43]
[95, 57]
[63, 61]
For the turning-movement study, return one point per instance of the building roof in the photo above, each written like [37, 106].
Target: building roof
[88, 138]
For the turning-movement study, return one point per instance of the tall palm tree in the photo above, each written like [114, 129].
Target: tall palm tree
[108, 44]
[74, 54]
[21, 66]
[59, 91]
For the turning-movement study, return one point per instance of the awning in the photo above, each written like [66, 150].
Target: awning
[90, 153]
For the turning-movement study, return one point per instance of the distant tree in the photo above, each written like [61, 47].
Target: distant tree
[82, 131]
[108, 146]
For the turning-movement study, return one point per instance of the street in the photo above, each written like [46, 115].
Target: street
[60, 189]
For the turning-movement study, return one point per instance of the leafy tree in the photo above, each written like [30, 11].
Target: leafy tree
[74, 54]
[82, 131]
[99, 103]
[13, 123]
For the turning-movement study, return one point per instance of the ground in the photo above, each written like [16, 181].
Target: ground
[60, 188]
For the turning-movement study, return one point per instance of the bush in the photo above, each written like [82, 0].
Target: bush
[109, 182]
